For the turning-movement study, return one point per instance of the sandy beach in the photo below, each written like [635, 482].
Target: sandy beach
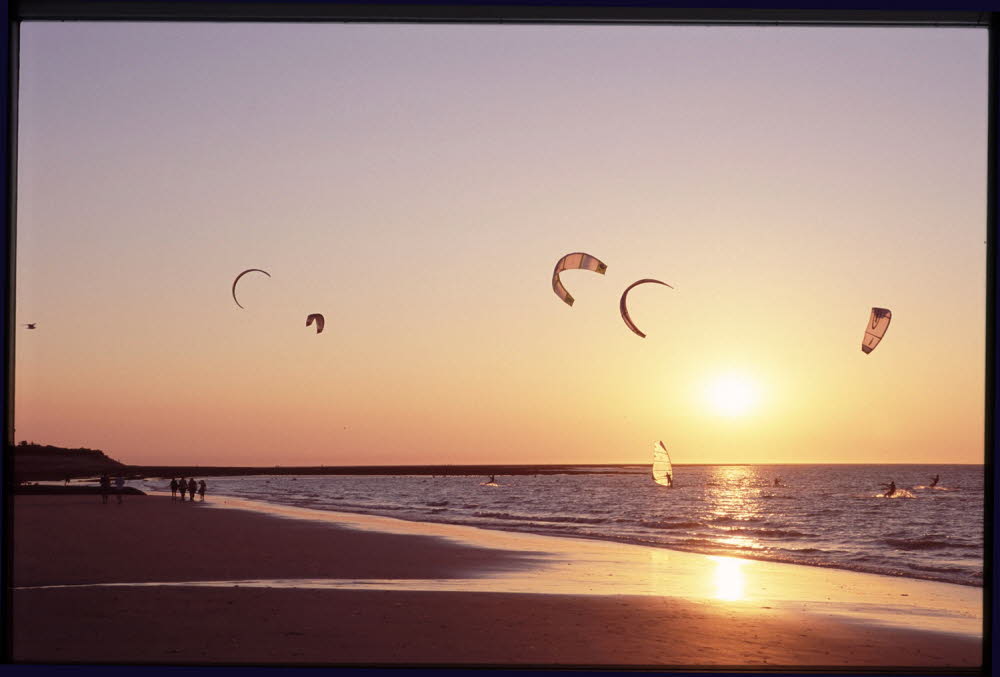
[367, 591]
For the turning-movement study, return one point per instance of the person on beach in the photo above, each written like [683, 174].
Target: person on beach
[173, 488]
[182, 487]
[934, 480]
[119, 488]
[105, 488]
[192, 487]
[201, 490]
[890, 488]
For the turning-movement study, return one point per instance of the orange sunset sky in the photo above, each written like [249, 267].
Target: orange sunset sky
[417, 183]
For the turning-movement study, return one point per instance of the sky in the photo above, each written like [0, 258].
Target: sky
[416, 184]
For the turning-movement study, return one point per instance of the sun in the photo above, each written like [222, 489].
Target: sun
[732, 394]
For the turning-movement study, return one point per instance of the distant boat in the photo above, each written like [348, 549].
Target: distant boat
[663, 470]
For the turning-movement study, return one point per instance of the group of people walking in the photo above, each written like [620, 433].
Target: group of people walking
[106, 487]
[185, 487]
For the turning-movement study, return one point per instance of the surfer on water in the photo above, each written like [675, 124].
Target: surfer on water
[934, 480]
[777, 481]
[890, 488]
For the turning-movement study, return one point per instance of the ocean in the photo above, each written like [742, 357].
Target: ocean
[820, 515]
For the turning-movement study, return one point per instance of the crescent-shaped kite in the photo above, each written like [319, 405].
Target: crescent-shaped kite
[320, 322]
[576, 260]
[877, 326]
[248, 270]
[624, 309]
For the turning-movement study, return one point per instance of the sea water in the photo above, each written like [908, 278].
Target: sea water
[821, 515]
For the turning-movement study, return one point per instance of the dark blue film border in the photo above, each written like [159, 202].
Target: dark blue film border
[991, 606]
[789, 12]
[8, 123]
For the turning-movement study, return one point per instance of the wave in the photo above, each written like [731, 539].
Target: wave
[925, 544]
[736, 520]
[576, 519]
[770, 533]
[664, 524]
[900, 493]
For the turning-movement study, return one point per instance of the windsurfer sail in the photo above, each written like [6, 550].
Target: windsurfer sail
[663, 470]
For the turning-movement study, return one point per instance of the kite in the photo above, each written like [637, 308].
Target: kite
[624, 309]
[248, 270]
[576, 260]
[876, 328]
[320, 322]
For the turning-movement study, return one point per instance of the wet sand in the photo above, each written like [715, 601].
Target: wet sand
[437, 599]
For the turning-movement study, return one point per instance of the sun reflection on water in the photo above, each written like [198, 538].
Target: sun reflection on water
[734, 493]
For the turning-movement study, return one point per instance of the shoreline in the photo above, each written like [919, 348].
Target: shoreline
[431, 593]
[656, 569]
[342, 516]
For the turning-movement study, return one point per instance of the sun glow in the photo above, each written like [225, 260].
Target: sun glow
[729, 579]
[732, 395]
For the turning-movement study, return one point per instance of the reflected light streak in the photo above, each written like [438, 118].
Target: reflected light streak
[729, 578]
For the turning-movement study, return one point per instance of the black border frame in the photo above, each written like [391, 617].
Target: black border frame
[693, 12]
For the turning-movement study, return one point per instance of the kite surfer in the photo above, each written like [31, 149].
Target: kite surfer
[890, 488]
[934, 480]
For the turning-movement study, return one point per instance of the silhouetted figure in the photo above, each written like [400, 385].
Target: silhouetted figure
[173, 488]
[30, 325]
[192, 487]
[66, 482]
[777, 481]
[890, 488]
[493, 479]
[935, 480]
[105, 488]
[119, 488]
[201, 490]
[182, 486]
